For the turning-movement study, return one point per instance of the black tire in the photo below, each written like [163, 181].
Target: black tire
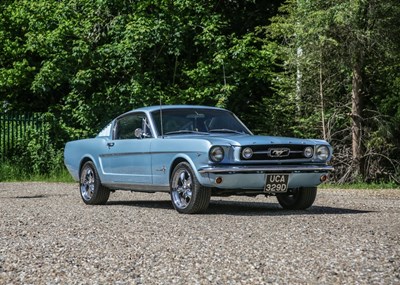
[188, 196]
[301, 199]
[92, 192]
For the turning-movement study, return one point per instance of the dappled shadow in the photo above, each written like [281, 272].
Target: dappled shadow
[242, 208]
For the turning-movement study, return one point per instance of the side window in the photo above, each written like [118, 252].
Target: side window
[105, 132]
[126, 126]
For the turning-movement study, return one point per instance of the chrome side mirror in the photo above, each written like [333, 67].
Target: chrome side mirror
[139, 133]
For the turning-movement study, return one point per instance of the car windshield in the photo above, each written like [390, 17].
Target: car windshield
[198, 120]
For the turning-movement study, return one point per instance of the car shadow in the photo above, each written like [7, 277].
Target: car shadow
[155, 204]
[236, 208]
[273, 209]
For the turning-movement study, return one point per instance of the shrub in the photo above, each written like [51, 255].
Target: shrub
[35, 154]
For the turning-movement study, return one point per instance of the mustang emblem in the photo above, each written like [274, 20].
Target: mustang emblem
[278, 152]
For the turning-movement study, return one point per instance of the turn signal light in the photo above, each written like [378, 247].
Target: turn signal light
[323, 178]
[218, 180]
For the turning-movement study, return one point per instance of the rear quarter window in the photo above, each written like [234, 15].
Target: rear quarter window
[105, 132]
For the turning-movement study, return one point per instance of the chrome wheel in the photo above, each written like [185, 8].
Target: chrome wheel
[182, 188]
[187, 194]
[87, 183]
[92, 191]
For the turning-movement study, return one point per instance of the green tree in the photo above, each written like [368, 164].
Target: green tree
[34, 46]
[90, 60]
[337, 59]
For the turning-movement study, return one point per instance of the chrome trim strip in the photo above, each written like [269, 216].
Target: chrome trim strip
[272, 168]
[136, 187]
[123, 154]
[142, 153]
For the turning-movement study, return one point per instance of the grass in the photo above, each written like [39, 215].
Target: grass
[9, 173]
[362, 185]
[60, 176]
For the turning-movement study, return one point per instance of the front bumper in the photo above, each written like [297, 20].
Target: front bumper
[254, 177]
[267, 169]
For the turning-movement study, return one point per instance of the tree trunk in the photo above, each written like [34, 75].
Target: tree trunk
[321, 94]
[356, 118]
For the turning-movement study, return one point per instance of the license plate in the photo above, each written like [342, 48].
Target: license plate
[276, 183]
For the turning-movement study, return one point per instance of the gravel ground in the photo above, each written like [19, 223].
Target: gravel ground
[48, 236]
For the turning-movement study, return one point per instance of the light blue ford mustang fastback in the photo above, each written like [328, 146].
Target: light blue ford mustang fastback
[193, 153]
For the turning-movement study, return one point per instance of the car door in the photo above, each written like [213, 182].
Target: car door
[128, 159]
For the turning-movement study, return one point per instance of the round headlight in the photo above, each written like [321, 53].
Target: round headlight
[247, 153]
[322, 152]
[308, 152]
[216, 153]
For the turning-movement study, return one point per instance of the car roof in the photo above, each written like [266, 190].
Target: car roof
[165, 107]
[150, 109]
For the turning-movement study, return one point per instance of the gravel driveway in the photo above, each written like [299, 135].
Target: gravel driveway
[48, 236]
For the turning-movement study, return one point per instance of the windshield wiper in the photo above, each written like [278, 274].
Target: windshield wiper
[224, 131]
[185, 132]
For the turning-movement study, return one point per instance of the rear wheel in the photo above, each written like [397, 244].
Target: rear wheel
[187, 194]
[92, 192]
[301, 199]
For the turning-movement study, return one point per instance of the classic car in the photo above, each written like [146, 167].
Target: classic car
[193, 153]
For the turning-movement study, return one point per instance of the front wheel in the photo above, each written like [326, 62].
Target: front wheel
[92, 192]
[187, 194]
[301, 199]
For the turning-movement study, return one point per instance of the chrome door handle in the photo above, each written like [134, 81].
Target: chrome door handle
[110, 144]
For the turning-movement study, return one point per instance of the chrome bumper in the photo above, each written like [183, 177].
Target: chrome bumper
[267, 169]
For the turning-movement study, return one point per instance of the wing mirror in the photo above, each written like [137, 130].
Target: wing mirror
[140, 134]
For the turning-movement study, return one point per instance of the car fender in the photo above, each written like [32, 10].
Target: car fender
[88, 157]
[76, 153]
[202, 178]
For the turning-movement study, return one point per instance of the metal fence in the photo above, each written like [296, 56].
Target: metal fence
[14, 127]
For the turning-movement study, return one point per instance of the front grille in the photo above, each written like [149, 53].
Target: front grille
[276, 152]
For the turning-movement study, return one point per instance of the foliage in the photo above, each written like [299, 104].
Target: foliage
[36, 153]
[36, 148]
[339, 68]
[86, 61]
[12, 173]
[91, 60]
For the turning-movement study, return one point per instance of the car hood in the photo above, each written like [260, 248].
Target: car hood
[241, 140]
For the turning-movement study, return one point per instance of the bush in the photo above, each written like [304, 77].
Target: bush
[34, 154]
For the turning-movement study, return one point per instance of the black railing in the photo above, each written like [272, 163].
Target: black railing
[15, 127]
